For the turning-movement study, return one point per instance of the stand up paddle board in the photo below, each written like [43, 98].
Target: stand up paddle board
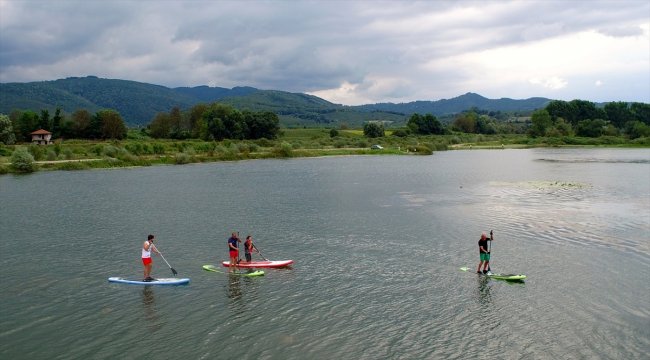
[509, 277]
[215, 269]
[160, 281]
[260, 264]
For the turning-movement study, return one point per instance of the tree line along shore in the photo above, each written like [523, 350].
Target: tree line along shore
[217, 132]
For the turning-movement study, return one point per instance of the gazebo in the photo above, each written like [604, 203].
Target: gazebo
[41, 137]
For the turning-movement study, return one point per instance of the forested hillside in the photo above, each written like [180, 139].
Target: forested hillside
[138, 103]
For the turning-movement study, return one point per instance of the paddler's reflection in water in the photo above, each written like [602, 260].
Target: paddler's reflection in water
[148, 302]
[484, 296]
[234, 287]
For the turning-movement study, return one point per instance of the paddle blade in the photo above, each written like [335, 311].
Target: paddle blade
[174, 271]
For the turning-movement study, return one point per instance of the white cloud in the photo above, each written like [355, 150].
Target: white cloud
[553, 83]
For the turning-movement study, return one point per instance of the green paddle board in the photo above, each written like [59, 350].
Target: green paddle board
[509, 277]
[239, 273]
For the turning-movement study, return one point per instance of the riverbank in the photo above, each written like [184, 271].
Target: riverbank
[138, 150]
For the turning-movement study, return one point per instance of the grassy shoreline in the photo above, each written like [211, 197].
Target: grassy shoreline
[144, 151]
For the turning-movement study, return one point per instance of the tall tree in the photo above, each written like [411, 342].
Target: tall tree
[112, 125]
[541, 120]
[80, 124]
[44, 120]
[196, 113]
[641, 112]
[27, 123]
[160, 127]
[176, 123]
[466, 122]
[587, 110]
[373, 129]
[424, 125]
[562, 109]
[7, 135]
[261, 124]
[215, 118]
[618, 113]
[57, 122]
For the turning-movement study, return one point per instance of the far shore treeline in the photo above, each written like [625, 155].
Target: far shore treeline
[215, 132]
[207, 122]
[218, 121]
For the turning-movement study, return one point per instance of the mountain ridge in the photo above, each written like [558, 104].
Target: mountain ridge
[139, 102]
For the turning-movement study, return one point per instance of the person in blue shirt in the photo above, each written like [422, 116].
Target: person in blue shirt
[233, 249]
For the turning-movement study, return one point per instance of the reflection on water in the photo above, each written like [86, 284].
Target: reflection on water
[149, 308]
[234, 287]
[483, 290]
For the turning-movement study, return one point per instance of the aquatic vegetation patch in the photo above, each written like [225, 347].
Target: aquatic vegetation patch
[542, 184]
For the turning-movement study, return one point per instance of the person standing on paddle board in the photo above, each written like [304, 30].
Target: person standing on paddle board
[233, 244]
[484, 253]
[147, 248]
[248, 248]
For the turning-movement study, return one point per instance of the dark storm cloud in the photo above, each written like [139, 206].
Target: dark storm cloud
[372, 51]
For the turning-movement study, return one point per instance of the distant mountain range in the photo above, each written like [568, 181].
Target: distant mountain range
[138, 102]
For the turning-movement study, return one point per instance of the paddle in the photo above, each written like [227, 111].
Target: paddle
[238, 254]
[490, 249]
[161, 255]
[258, 251]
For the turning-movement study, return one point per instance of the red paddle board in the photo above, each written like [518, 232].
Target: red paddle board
[260, 264]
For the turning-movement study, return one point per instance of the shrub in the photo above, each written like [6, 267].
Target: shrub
[401, 133]
[340, 144]
[37, 151]
[284, 150]
[205, 147]
[641, 141]
[182, 158]
[264, 142]
[5, 151]
[22, 161]
[420, 150]
[97, 150]
[362, 144]
[51, 155]
[3, 170]
[110, 151]
[158, 149]
[73, 165]
[440, 147]
[68, 154]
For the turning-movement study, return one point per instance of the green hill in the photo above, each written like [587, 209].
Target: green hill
[138, 103]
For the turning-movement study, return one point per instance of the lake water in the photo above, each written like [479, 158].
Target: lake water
[377, 242]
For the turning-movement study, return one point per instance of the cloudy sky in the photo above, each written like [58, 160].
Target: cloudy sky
[348, 52]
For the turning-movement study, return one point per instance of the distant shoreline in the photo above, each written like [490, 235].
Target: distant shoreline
[294, 143]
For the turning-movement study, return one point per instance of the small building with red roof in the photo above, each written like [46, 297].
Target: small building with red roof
[41, 137]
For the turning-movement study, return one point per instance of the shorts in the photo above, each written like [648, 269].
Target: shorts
[248, 257]
[485, 257]
[234, 253]
[146, 261]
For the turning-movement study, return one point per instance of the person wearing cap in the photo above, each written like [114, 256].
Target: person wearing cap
[484, 253]
[233, 249]
[147, 248]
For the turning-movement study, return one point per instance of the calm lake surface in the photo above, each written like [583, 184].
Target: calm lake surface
[377, 243]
